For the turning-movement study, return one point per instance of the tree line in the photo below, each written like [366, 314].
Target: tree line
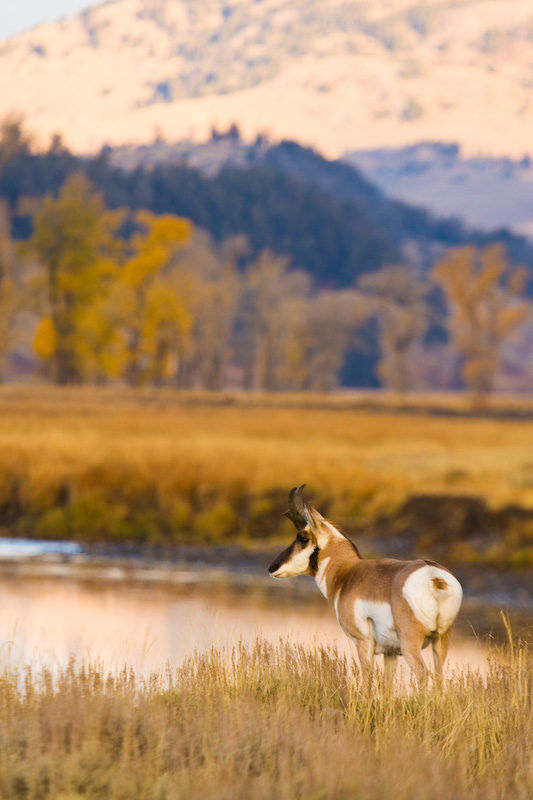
[97, 295]
[281, 288]
[144, 298]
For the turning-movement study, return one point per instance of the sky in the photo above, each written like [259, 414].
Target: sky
[20, 15]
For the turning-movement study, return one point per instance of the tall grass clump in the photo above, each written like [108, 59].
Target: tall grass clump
[266, 721]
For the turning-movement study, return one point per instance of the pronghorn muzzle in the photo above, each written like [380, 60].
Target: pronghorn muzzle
[281, 559]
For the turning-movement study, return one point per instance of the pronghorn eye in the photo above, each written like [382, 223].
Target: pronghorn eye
[303, 539]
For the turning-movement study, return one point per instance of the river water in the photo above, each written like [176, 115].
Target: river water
[44, 621]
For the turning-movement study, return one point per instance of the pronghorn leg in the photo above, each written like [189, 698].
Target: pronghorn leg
[412, 652]
[411, 633]
[440, 646]
[416, 662]
[365, 651]
[389, 669]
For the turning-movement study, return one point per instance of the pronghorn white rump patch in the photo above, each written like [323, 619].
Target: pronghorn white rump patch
[434, 596]
[298, 564]
[320, 577]
[374, 620]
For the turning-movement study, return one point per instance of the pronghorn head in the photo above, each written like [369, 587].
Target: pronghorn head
[312, 534]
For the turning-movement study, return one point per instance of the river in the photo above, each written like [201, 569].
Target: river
[44, 621]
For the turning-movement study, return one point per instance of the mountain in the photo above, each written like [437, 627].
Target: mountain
[438, 177]
[340, 75]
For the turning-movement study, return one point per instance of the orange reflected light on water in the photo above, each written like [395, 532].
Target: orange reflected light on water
[45, 622]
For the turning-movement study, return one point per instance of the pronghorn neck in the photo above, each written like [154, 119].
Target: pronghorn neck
[333, 561]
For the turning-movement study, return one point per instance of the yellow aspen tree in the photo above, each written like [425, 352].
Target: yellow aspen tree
[45, 340]
[150, 311]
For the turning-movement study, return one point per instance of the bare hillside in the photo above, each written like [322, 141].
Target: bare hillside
[337, 74]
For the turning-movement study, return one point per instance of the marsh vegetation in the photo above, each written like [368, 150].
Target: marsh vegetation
[164, 466]
[265, 721]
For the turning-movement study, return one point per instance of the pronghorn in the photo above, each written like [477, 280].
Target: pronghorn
[384, 605]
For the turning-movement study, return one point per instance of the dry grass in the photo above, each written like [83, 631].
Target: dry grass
[266, 722]
[107, 464]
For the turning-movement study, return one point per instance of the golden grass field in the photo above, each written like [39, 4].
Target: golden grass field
[106, 464]
[281, 722]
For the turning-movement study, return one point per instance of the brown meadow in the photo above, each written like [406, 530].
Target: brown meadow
[150, 465]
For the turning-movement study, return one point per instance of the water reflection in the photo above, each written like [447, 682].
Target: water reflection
[44, 621]
[26, 548]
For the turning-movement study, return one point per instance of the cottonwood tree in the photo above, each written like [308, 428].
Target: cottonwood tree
[317, 332]
[292, 337]
[397, 297]
[485, 298]
[335, 318]
[73, 240]
[268, 286]
[209, 284]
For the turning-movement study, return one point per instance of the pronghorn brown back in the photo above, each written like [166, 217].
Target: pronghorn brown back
[384, 605]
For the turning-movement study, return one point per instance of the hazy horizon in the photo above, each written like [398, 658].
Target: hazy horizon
[22, 16]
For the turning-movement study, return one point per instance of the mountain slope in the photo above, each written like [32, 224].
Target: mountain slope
[438, 178]
[339, 75]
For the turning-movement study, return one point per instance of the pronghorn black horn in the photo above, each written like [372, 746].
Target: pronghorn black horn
[297, 510]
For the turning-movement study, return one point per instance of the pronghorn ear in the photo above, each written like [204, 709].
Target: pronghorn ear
[316, 525]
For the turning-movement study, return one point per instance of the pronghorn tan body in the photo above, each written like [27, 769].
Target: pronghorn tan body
[384, 605]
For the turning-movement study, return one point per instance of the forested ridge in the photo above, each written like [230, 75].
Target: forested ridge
[332, 239]
[323, 215]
